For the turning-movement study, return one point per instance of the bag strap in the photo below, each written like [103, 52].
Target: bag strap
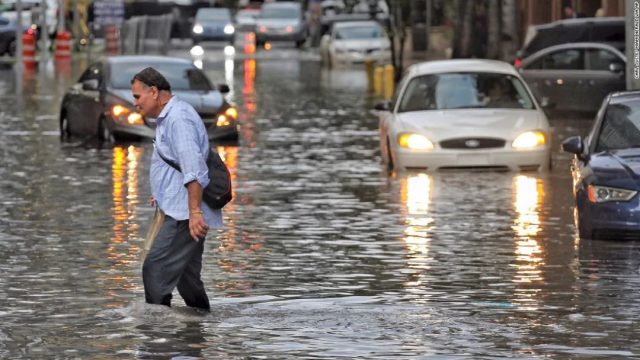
[169, 162]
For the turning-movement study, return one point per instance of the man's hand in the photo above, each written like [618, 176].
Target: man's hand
[197, 227]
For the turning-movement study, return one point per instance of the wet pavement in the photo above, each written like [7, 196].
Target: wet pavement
[325, 255]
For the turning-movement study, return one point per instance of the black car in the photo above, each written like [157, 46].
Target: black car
[605, 30]
[101, 104]
[7, 37]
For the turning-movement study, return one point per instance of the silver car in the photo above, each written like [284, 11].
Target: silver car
[281, 21]
[575, 76]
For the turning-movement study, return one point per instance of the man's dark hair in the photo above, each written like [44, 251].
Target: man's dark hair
[151, 77]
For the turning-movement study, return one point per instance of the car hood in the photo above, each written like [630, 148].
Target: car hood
[361, 44]
[204, 102]
[494, 123]
[619, 168]
[277, 22]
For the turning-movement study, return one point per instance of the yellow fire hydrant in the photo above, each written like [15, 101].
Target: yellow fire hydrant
[389, 81]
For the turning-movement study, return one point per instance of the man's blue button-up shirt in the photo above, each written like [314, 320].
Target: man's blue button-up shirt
[182, 138]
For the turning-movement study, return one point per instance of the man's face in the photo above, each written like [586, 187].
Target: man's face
[145, 99]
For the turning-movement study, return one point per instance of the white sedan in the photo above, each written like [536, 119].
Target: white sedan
[352, 42]
[464, 114]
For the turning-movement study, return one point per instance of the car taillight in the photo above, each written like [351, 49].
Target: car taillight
[517, 63]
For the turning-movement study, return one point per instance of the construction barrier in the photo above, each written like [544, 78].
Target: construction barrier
[389, 81]
[112, 40]
[29, 50]
[63, 45]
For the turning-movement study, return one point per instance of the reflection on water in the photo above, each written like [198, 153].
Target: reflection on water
[416, 194]
[124, 248]
[529, 195]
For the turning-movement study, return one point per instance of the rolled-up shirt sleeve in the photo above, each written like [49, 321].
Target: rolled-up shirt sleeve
[184, 137]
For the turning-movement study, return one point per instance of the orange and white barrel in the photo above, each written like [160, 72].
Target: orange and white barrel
[29, 50]
[63, 45]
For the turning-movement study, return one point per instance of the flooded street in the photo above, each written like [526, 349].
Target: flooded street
[324, 254]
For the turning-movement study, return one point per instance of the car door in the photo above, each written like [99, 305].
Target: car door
[84, 105]
[605, 73]
[556, 75]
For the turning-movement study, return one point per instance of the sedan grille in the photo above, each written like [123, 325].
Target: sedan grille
[472, 143]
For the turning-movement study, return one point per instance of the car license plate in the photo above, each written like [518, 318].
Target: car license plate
[473, 159]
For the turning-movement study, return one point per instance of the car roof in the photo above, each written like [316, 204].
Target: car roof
[576, 45]
[214, 10]
[581, 22]
[128, 59]
[624, 96]
[462, 65]
[282, 5]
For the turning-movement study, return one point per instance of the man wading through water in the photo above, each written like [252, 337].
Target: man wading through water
[175, 258]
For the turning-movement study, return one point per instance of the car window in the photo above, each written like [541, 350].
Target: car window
[93, 72]
[213, 14]
[571, 59]
[280, 13]
[360, 32]
[465, 90]
[4, 22]
[620, 127]
[181, 76]
[598, 59]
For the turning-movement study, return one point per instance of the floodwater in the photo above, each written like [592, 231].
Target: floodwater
[324, 254]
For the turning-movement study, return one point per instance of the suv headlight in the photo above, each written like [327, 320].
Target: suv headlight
[600, 194]
[124, 115]
[229, 29]
[197, 29]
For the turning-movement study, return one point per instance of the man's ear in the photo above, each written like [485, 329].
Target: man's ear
[155, 92]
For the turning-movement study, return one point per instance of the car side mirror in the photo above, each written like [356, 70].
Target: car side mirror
[223, 88]
[616, 67]
[90, 85]
[574, 145]
[383, 106]
[546, 103]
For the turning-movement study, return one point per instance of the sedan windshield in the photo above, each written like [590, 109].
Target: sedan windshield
[465, 90]
[214, 15]
[620, 127]
[359, 32]
[280, 13]
[181, 76]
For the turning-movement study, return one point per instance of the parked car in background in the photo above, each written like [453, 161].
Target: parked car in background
[213, 24]
[464, 114]
[7, 37]
[281, 21]
[606, 30]
[101, 104]
[575, 76]
[606, 169]
[355, 42]
[32, 10]
[246, 19]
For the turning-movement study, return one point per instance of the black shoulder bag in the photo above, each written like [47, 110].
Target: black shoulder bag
[218, 193]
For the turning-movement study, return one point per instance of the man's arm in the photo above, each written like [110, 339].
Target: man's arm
[197, 226]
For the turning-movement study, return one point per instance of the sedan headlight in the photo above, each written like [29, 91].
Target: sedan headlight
[197, 29]
[124, 115]
[600, 194]
[414, 142]
[529, 139]
[229, 29]
[225, 119]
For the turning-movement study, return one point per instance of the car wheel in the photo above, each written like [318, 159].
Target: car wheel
[104, 134]
[299, 43]
[11, 49]
[64, 127]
